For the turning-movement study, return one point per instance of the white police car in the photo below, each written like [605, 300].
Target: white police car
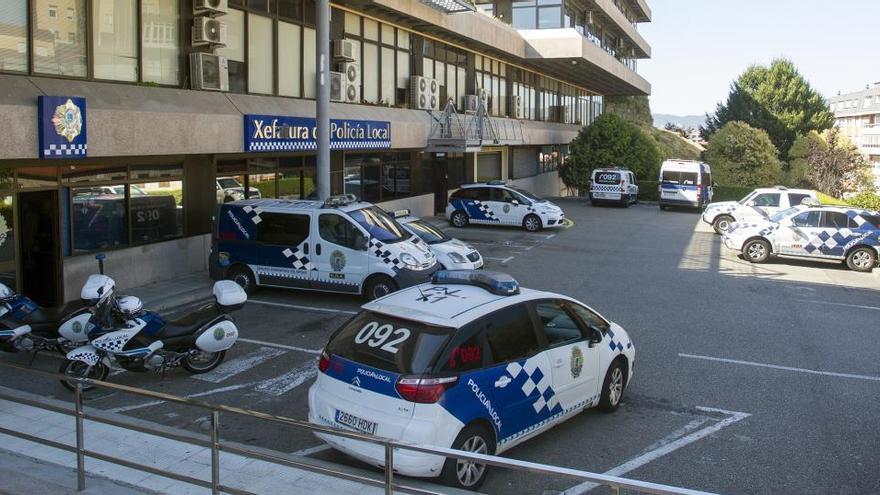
[451, 253]
[469, 361]
[340, 245]
[615, 185]
[758, 204]
[496, 203]
[811, 231]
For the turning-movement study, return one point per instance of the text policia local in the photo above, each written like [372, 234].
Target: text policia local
[346, 131]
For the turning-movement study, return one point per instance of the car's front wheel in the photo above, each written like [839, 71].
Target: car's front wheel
[756, 250]
[613, 386]
[244, 277]
[722, 224]
[862, 259]
[459, 219]
[532, 223]
[379, 286]
[465, 474]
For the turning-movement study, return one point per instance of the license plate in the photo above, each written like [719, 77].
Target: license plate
[355, 422]
[601, 195]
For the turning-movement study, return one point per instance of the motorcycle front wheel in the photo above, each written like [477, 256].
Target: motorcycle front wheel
[202, 362]
[79, 369]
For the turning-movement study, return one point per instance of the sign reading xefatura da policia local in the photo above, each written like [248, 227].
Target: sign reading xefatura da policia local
[275, 133]
[62, 126]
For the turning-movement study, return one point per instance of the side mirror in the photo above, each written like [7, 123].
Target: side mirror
[595, 337]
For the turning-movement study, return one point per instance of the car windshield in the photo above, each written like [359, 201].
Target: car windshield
[782, 215]
[389, 343]
[379, 224]
[228, 183]
[748, 197]
[427, 232]
[527, 194]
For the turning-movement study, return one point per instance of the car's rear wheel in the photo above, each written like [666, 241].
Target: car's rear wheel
[459, 219]
[861, 259]
[625, 200]
[613, 386]
[756, 250]
[532, 223]
[469, 475]
[379, 286]
[244, 277]
[722, 224]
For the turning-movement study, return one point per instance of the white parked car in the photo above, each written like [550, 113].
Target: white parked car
[230, 189]
[758, 204]
[451, 253]
[470, 361]
[496, 203]
[614, 185]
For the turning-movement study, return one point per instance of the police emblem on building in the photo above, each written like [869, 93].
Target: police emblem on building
[577, 362]
[62, 127]
[68, 120]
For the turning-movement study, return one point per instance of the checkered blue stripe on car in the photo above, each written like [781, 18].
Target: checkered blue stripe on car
[605, 188]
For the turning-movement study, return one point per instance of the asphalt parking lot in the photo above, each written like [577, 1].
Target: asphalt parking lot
[749, 379]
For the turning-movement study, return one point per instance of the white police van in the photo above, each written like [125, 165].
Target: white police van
[496, 203]
[758, 204]
[615, 185]
[451, 253]
[340, 245]
[469, 361]
[811, 230]
[685, 183]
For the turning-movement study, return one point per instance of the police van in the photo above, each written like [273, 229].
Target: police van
[760, 203]
[340, 245]
[470, 361]
[496, 203]
[614, 185]
[811, 230]
[451, 253]
[685, 183]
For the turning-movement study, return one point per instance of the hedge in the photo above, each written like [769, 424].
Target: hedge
[867, 200]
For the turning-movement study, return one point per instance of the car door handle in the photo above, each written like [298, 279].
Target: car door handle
[318, 249]
[306, 248]
[502, 382]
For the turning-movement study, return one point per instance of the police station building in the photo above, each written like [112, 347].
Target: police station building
[123, 123]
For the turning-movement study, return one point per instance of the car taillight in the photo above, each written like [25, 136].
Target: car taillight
[424, 390]
[324, 362]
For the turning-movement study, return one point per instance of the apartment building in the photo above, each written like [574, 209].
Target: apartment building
[125, 122]
[857, 115]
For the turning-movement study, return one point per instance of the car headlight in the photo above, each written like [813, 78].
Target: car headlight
[457, 258]
[408, 259]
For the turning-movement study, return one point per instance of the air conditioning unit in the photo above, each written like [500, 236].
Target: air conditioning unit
[471, 102]
[352, 92]
[208, 31]
[516, 102]
[344, 50]
[425, 93]
[352, 71]
[337, 86]
[209, 72]
[211, 8]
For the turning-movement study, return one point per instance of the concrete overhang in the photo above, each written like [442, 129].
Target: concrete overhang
[566, 54]
[619, 23]
[642, 10]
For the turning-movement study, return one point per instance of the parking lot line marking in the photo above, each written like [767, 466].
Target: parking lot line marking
[151, 403]
[239, 365]
[661, 450]
[304, 308]
[311, 450]
[281, 346]
[783, 368]
[875, 308]
[500, 260]
[280, 385]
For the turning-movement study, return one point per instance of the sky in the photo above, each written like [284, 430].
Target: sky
[700, 46]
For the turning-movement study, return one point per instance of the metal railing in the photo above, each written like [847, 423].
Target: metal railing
[388, 482]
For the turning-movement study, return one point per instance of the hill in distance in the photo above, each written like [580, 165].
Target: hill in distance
[695, 121]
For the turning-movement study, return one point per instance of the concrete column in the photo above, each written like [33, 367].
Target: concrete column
[322, 27]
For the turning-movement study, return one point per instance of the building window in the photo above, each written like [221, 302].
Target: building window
[13, 29]
[234, 50]
[98, 217]
[156, 211]
[260, 55]
[310, 69]
[59, 44]
[159, 39]
[114, 39]
[383, 59]
[289, 52]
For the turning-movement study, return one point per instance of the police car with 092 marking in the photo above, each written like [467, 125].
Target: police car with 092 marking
[470, 361]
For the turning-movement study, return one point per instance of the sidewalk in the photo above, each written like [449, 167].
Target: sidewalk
[185, 290]
[45, 468]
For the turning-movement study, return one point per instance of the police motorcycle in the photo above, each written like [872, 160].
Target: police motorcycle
[122, 332]
[25, 326]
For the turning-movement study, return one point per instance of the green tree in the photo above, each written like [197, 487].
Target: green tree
[741, 155]
[777, 99]
[610, 141]
[798, 165]
[635, 109]
[836, 166]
